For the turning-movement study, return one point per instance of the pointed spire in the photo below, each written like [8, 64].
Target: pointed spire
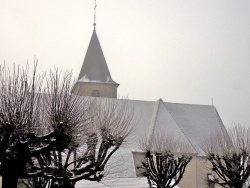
[94, 68]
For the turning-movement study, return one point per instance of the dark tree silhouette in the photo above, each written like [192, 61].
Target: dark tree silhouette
[52, 138]
[165, 161]
[93, 129]
[86, 158]
[19, 116]
[229, 155]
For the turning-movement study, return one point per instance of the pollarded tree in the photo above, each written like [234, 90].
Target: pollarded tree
[229, 155]
[17, 115]
[95, 129]
[69, 116]
[20, 114]
[111, 126]
[165, 160]
[51, 137]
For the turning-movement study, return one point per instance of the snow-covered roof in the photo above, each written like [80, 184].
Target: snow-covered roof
[196, 121]
[94, 68]
[115, 183]
[189, 122]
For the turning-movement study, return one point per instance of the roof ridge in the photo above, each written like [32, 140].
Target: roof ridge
[189, 104]
[153, 121]
[220, 121]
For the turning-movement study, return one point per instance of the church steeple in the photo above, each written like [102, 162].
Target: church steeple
[94, 78]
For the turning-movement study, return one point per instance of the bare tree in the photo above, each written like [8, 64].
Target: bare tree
[68, 116]
[93, 129]
[86, 159]
[19, 116]
[51, 137]
[165, 160]
[229, 155]
[112, 124]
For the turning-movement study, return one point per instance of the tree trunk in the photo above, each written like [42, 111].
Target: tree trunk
[9, 180]
[62, 184]
[238, 185]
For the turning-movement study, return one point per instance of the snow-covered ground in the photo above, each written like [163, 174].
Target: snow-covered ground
[116, 183]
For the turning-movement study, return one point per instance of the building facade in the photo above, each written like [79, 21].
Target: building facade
[189, 122]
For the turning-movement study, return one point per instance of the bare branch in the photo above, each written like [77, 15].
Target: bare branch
[166, 158]
[229, 155]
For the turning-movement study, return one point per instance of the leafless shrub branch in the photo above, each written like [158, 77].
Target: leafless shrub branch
[229, 155]
[166, 158]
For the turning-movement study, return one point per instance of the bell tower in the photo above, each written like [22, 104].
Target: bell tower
[94, 78]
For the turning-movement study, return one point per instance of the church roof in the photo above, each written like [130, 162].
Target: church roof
[196, 121]
[94, 68]
[189, 122]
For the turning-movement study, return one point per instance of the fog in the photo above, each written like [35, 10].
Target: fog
[180, 51]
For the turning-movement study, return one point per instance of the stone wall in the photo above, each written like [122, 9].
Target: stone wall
[95, 89]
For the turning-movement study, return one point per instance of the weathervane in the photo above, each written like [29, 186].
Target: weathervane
[95, 15]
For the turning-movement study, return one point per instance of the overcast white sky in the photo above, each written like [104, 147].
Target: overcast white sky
[183, 51]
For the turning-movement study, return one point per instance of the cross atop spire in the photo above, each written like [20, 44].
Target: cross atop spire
[95, 14]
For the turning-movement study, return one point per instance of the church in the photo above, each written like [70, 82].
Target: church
[193, 123]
